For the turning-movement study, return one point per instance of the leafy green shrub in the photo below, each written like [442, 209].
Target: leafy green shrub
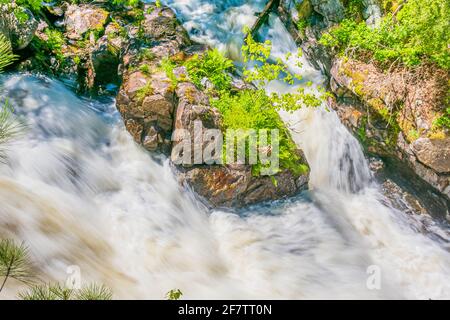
[419, 32]
[443, 121]
[253, 109]
[174, 294]
[213, 66]
[51, 47]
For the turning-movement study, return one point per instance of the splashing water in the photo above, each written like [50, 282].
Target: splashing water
[79, 192]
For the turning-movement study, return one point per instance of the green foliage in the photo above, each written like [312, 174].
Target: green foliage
[253, 109]
[51, 47]
[443, 122]
[354, 8]
[264, 71]
[213, 66]
[174, 294]
[35, 6]
[146, 54]
[168, 66]
[126, 3]
[94, 292]
[57, 291]
[10, 128]
[14, 262]
[6, 55]
[419, 32]
[145, 68]
[145, 91]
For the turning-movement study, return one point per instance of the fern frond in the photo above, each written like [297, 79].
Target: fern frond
[6, 55]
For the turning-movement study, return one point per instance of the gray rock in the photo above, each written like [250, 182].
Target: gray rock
[434, 154]
[331, 10]
[19, 32]
[79, 19]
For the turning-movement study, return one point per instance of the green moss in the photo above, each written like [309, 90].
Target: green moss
[304, 10]
[145, 68]
[168, 66]
[145, 91]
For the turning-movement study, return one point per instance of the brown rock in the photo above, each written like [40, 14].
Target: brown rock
[434, 154]
[79, 19]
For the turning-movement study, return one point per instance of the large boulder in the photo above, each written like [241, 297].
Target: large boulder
[433, 153]
[230, 185]
[79, 19]
[19, 31]
[159, 111]
[331, 10]
[146, 98]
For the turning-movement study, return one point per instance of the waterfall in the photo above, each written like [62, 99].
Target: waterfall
[79, 191]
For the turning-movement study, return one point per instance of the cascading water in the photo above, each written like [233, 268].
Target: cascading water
[79, 192]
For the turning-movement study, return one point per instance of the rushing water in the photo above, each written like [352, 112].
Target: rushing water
[79, 192]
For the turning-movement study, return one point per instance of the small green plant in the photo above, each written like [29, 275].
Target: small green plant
[145, 91]
[213, 66]
[443, 122]
[146, 54]
[126, 3]
[174, 294]
[145, 68]
[168, 66]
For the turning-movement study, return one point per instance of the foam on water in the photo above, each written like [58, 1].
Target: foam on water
[79, 191]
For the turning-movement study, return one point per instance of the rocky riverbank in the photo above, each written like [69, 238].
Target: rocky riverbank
[393, 111]
[106, 48]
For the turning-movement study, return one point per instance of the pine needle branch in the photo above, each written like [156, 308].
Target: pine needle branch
[49, 291]
[14, 262]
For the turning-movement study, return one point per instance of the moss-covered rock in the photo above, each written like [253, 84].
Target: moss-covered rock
[398, 111]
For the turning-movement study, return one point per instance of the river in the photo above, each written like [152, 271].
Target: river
[79, 192]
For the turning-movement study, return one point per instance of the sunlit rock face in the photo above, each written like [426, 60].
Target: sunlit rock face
[19, 32]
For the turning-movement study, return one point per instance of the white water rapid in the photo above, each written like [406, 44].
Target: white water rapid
[78, 191]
